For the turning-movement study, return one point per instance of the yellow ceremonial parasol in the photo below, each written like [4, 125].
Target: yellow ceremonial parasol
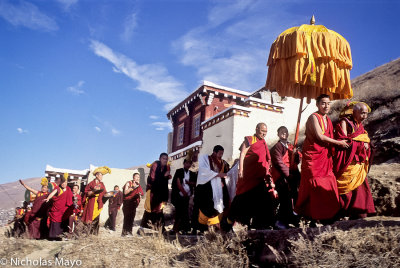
[307, 61]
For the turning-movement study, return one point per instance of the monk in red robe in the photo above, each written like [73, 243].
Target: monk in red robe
[286, 176]
[352, 165]
[157, 194]
[36, 218]
[62, 199]
[318, 194]
[132, 192]
[114, 204]
[94, 193]
[255, 191]
[74, 211]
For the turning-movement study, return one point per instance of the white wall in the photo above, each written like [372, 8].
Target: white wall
[219, 134]
[117, 177]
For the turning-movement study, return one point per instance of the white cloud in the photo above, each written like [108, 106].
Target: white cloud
[115, 131]
[26, 14]
[130, 25]
[151, 78]
[106, 125]
[22, 131]
[162, 125]
[232, 48]
[77, 89]
[154, 117]
[67, 3]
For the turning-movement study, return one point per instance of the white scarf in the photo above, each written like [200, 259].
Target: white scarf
[205, 175]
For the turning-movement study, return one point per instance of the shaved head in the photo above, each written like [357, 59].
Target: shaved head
[261, 130]
[260, 125]
[359, 106]
[360, 112]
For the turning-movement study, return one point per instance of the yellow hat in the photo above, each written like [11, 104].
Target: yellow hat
[103, 170]
[66, 175]
[348, 108]
[44, 181]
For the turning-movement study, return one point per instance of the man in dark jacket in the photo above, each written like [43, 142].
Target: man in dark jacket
[181, 192]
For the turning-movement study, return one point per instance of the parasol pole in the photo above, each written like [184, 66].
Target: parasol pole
[296, 139]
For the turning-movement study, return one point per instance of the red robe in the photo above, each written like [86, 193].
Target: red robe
[255, 165]
[36, 215]
[358, 202]
[318, 194]
[87, 216]
[61, 201]
[72, 209]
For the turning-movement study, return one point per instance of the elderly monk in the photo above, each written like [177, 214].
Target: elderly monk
[37, 217]
[318, 197]
[352, 165]
[253, 202]
[157, 194]
[93, 198]
[62, 199]
[212, 196]
[132, 192]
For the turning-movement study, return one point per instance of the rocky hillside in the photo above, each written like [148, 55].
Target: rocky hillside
[380, 89]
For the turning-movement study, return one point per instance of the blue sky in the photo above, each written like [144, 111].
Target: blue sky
[89, 82]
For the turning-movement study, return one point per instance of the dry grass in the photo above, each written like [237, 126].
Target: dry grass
[371, 243]
[369, 247]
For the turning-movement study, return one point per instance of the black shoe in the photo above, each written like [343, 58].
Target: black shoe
[225, 226]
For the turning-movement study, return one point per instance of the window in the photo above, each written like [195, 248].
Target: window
[181, 134]
[196, 125]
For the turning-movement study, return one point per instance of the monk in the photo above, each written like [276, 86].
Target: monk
[352, 165]
[157, 194]
[180, 196]
[253, 203]
[132, 192]
[36, 218]
[286, 176]
[318, 193]
[93, 198]
[62, 199]
[74, 211]
[212, 196]
[114, 204]
[19, 227]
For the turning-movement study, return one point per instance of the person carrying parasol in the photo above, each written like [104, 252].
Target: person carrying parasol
[318, 197]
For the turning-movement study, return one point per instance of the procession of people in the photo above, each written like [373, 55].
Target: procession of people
[264, 188]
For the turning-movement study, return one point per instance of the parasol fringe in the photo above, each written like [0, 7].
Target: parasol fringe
[290, 67]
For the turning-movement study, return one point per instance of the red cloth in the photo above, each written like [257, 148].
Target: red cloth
[88, 210]
[135, 194]
[318, 194]
[36, 215]
[61, 201]
[72, 209]
[359, 202]
[255, 165]
[356, 152]
[115, 202]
